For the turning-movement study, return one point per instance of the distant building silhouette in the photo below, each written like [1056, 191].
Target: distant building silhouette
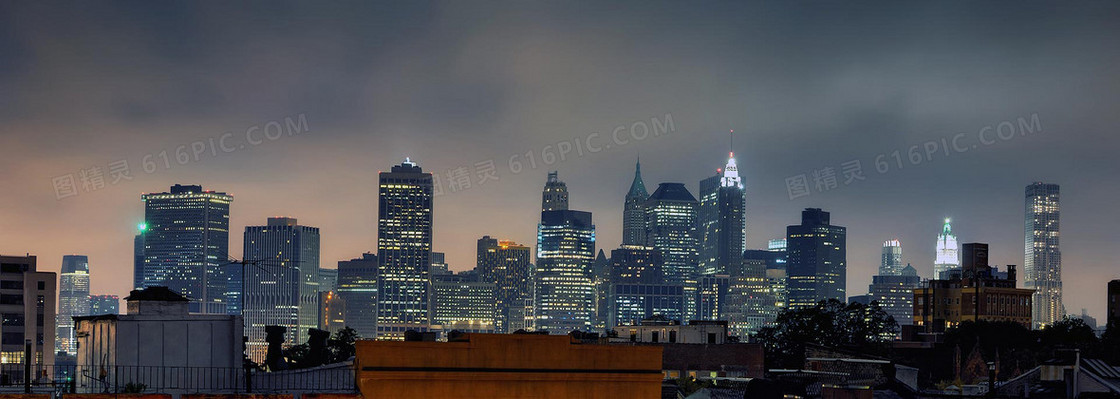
[186, 244]
[1043, 258]
[817, 260]
[1113, 317]
[404, 248]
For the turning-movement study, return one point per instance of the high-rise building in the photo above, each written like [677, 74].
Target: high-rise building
[752, 294]
[947, 257]
[776, 273]
[1113, 317]
[404, 249]
[816, 260]
[1043, 258]
[73, 299]
[892, 259]
[138, 256]
[555, 194]
[601, 273]
[565, 289]
[104, 304]
[357, 286]
[711, 296]
[895, 293]
[506, 264]
[27, 302]
[328, 279]
[439, 264]
[461, 302]
[973, 294]
[281, 282]
[635, 264]
[332, 311]
[671, 230]
[637, 290]
[722, 220]
[634, 210]
[186, 244]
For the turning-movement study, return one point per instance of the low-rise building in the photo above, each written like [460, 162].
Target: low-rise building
[669, 331]
[975, 294]
[27, 305]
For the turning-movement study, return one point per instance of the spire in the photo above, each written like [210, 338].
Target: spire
[731, 171]
[637, 187]
[947, 229]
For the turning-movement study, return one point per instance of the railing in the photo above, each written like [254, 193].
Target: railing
[166, 379]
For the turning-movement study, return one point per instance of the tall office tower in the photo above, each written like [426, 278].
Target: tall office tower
[776, 273]
[634, 210]
[186, 244]
[404, 249]
[601, 270]
[947, 257]
[235, 279]
[462, 302]
[332, 311]
[816, 260]
[104, 304]
[27, 301]
[281, 287]
[711, 296]
[357, 286]
[138, 256]
[637, 288]
[565, 289]
[1112, 319]
[778, 246]
[73, 299]
[671, 229]
[328, 279]
[752, 302]
[506, 264]
[722, 220]
[895, 293]
[892, 259]
[439, 264]
[555, 195]
[1043, 265]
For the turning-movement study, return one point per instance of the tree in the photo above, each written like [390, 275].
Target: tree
[831, 323]
[341, 345]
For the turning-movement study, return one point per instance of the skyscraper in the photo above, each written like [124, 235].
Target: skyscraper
[722, 220]
[357, 286]
[671, 230]
[462, 302]
[565, 289]
[752, 301]
[1043, 258]
[637, 289]
[439, 264]
[892, 259]
[73, 299]
[328, 279]
[634, 210]
[186, 244]
[506, 265]
[138, 256]
[555, 194]
[281, 285]
[104, 304]
[404, 249]
[947, 257]
[895, 293]
[816, 260]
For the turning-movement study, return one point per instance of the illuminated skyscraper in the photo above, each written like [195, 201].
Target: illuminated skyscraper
[753, 295]
[73, 299]
[462, 302]
[892, 259]
[637, 288]
[671, 230]
[281, 287]
[404, 249]
[817, 260]
[895, 293]
[947, 256]
[555, 194]
[506, 264]
[186, 245]
[634, 211]
[1043, 258]
[565, 288]
[357, 286]
[722, 220]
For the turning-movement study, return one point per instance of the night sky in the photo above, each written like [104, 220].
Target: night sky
[457, 86]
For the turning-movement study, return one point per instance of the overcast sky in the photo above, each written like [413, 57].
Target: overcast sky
[805, 86]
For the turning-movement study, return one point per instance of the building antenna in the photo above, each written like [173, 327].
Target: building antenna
[731, 135]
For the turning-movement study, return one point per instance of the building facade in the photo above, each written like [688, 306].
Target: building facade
[357, 286]
[404, 248]
[505, 264]
[1113, 316]
[104, 304]
[752, 302]
[722, 218]
[186, 244]
[565, 289]
[671, 230]
[895, 294]
[332, 311]
[281, 282]
[73, 299]
[891, 264]
[328, 279]
[1043, 257]
[816, 260]
[974, 294]
[634, 210]
[27, 305]
[947, 256]
[555, 194]
[460, 302]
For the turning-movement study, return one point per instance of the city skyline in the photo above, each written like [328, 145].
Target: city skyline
[502, 104]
